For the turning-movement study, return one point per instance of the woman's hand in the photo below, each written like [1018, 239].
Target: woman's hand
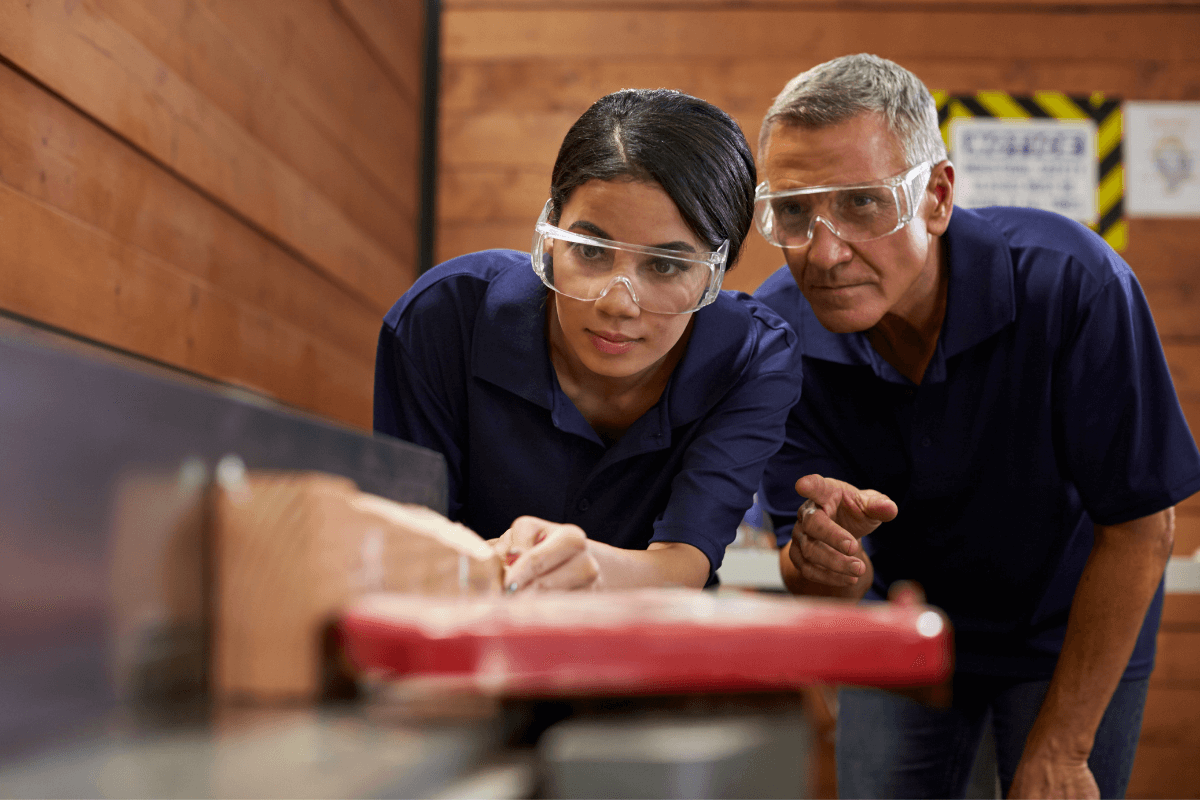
[542, 555]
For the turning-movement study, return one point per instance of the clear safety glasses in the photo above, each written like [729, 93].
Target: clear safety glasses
[855, 213]
[661, 281]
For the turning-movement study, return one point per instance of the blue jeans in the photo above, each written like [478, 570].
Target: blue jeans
[891, 746]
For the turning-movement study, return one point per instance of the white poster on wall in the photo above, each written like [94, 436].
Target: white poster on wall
[1035, 163]
[1162, 147]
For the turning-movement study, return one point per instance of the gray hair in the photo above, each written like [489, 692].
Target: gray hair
[845, 87]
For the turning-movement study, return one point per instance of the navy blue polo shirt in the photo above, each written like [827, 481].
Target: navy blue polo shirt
[1047, 407]
[463, 367]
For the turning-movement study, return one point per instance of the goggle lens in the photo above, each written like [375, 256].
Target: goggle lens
[660, 281]
[856, 213]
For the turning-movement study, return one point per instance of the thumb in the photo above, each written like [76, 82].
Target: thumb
[877, 505]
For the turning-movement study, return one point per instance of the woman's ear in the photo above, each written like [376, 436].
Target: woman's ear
[941, 188]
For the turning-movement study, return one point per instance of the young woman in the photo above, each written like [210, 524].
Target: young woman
[606, 415]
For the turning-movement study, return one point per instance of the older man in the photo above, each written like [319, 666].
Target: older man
[986, 396]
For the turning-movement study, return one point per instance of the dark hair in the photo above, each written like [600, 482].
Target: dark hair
[691, 148]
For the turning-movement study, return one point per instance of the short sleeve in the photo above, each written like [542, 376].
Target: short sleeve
[1124, 440]
[421, 366]
[721, 468]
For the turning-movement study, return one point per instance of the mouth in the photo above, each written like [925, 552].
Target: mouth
[612, 343]
[834, 288]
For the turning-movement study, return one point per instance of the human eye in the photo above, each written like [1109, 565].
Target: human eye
[588, 252]
[589, 255]
[667, 267]
[866, 202]
[786, 209]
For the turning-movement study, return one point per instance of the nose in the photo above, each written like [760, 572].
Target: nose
[825, 248]
[616, 301]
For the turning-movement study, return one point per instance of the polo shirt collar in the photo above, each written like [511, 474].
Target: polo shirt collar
[509, 342]
[980, 301]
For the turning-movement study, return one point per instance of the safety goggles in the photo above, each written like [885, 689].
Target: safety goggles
[660, 281]
[855, 213]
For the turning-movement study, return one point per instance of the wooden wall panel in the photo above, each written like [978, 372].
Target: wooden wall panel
[516, 74]
[227, 187]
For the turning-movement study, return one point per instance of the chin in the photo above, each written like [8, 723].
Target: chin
[846, 320]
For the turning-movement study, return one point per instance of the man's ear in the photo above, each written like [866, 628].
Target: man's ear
[941, 188]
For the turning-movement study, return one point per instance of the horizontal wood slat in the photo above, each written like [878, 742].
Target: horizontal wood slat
[1181, 611]
[54, 154]
[924, 6]
[396, 31]
[1187, 534]
[1183, 358]
[76, 277]
[814, 35]
[104, 70]
[1177, 663]
[746, 84]
[319, 59]
[1165, 771]
[1172, 718]
[195, 46]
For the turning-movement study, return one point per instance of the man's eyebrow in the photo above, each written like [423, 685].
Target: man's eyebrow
[591, 229]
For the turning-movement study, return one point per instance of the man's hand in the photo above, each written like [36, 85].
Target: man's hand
[546, 555]
[825, 553]
[1045, 776]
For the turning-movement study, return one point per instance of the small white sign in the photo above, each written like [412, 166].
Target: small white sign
[1034, 163]
[1162, 148]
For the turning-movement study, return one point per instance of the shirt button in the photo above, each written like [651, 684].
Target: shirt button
[926, 441]
[584, 504]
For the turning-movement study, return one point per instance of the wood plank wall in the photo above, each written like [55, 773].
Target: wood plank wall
[517, 73]
[226, 186]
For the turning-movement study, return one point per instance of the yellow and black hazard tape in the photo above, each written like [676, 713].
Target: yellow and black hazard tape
[1105, 112]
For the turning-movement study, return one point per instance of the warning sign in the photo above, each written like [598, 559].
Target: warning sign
[1046, 150]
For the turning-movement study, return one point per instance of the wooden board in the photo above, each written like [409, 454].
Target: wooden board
[816, 35]
[54, 155]
[395, 31]
[1164, 771]
[103, 69]
[196, 46]
[292, 549]
[1177, 662]
[78, 278]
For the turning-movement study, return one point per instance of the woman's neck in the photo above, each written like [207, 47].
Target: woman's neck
[610, 404]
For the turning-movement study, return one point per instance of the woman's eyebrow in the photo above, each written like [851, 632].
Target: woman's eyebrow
[591, 229]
